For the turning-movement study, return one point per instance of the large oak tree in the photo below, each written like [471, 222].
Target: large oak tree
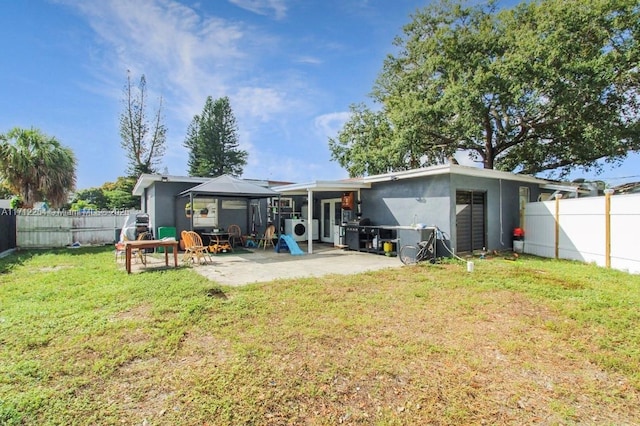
[550, 85]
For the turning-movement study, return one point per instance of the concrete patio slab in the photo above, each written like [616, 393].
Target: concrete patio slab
[267, 265]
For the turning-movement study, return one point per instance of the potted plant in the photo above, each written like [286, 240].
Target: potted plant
[204, 212]
[187, 210]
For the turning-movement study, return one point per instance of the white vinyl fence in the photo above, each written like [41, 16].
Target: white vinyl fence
[39, 229]
[603, 230]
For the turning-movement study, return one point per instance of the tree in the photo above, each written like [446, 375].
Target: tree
[92, 198]
[36, 167]
[110, 196]
[5, 191]
[546, 86]
[119, 194]
[212, 141]
[364, 133]
[143, 143]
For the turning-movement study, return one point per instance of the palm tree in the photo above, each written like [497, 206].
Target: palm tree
[36, 166]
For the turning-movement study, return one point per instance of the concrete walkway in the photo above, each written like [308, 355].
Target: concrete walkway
[266, 265]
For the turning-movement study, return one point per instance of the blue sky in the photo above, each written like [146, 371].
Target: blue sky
[290, 68]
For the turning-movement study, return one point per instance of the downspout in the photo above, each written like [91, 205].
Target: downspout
[501, 227]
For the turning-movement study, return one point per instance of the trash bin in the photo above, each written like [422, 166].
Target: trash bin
[165, 232]
[518, 240]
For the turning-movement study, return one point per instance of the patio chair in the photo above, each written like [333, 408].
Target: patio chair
[120, 251]
[187, 243]
[136, 254]
[267, 239]
[235, 234]
[141, 254]
[194, 250]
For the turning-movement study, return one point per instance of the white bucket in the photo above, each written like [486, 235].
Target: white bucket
[469, 266]
[518, 246]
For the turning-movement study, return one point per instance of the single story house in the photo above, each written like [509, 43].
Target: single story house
[475, 209]
[203, 204]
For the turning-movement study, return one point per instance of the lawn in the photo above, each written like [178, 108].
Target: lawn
[514, 342]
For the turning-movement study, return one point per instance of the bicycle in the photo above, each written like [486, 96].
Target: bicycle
[412, 254]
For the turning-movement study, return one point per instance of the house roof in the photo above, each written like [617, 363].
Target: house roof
[627, 188]
[322, 185]
[227, 185]
[146, 180]
[453, 169]
[365, 182]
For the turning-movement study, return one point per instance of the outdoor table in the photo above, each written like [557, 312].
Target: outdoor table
[144, 244]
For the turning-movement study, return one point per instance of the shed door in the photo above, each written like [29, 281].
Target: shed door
[470, 221]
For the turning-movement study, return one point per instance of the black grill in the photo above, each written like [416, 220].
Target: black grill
[352, 235]
[142, 226]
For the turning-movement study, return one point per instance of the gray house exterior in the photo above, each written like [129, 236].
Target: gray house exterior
[164, 198]
[475, 209]
[159, 196]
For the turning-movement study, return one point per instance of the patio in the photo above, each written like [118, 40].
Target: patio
[258, 265]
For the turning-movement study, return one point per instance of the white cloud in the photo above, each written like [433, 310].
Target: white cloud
[259, 102]
[329, 125]
[308, 60]
[263, 7]
[187, 56]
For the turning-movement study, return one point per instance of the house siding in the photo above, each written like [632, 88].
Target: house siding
[166, 207]
[409, 202]
[402, 200]
[502, 212]
[432, 201]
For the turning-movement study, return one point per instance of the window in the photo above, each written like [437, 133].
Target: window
[205, 212]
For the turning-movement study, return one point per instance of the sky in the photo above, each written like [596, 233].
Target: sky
[290, 69]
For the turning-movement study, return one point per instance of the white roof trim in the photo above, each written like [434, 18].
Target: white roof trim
[321, 185]
[365, 182]
[146, 180]
[453, 169]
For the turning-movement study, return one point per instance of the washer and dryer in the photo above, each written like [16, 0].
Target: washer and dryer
[298, 229]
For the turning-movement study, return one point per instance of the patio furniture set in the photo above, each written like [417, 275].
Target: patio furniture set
[195, 251]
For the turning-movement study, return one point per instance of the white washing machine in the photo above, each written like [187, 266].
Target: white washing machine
[298, 229]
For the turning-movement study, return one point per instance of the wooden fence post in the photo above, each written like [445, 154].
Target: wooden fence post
[607, 229]
[557, 230]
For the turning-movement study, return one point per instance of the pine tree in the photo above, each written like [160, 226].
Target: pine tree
[212, 140]
[144, 143]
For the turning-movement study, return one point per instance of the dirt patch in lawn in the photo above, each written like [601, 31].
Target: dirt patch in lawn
[461, 357]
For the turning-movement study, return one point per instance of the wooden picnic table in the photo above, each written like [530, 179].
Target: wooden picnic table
[145, 244]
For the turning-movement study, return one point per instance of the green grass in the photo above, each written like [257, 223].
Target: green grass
[82, 342]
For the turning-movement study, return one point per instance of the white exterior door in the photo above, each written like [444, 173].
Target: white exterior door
[330, 216]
